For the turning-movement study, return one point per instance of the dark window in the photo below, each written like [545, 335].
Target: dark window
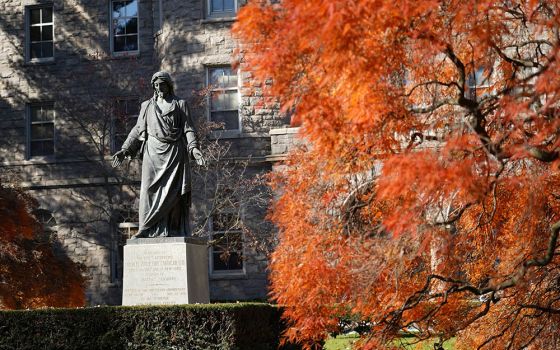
[124, 26]
[125, 116]
[221, 8]
[227, 243]
[41, 130]
[224, 97]
[127, 227]
[40, 33]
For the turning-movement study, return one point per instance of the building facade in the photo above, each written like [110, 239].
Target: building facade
[73, 73]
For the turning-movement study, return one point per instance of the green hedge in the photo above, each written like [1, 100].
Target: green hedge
[215, 326]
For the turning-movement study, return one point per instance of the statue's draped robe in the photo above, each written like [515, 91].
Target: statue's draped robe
[166, 140]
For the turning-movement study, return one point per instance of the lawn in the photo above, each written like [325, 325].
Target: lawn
[344, 342]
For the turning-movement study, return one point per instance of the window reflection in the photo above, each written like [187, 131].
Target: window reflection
[125, 25]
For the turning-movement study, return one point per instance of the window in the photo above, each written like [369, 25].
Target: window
[124, 26]
[221, 8]
[127, 228]
[124, 118]
[39, 34]
[479, 82]
[40, 130]
[223, 97]
[226, 254]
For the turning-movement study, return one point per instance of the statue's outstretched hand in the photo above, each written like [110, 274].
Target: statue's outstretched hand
[197, 155]
[118, 158]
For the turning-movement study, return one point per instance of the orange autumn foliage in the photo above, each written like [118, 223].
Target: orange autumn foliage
[32, 275]
[425, 200]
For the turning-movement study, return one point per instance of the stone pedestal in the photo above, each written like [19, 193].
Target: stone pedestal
[165, 271]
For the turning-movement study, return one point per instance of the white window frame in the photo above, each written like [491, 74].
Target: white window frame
[221, 273]
[209, 98]
[28, 33]
[29, 123]
[112, 34]
[221, 14]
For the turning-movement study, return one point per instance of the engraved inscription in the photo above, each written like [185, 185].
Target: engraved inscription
[155, 274]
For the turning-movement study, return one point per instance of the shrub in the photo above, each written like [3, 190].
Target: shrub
[216, 326]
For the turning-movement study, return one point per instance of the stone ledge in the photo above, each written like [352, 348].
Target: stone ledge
[80, 182]
[235, 134]
[284, 131]
[158, 240]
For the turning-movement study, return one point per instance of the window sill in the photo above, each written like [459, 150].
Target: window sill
[125, 55]
[216, 19]
[228, 276]
[41, 159]
[45, 62]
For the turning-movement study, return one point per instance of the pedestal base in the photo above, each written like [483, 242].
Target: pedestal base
[165, 271]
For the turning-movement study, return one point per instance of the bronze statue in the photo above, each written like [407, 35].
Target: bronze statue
[165, 137]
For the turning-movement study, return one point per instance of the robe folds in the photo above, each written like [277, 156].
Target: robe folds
[164, 140]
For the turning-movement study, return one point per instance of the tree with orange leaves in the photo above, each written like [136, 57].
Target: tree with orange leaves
[425, 201]
[32, 275]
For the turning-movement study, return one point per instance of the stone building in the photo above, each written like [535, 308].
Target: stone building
[72, 75]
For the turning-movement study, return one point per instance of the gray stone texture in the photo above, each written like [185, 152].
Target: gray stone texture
[77, 184]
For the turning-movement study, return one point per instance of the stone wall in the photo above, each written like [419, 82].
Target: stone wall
[77, 185]
[83, 81]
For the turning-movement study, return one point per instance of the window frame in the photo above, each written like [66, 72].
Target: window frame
[29, 124]
[209, 111]
[112, 34]
[233, 272]
[221, 14]
[124, 231]
[27, 21]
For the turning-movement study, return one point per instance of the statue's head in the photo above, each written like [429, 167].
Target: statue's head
[162, 84]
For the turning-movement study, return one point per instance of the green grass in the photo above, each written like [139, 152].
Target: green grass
[344, 342]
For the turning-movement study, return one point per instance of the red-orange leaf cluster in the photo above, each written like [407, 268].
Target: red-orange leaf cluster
[32, 275]
[425, 200]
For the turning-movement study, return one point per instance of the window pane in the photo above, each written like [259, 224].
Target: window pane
[217, 101]
[120, 26]
[230, 119]
[227, 261]
[229, 5]
[232, 78]
[223, 77]
[38, 114]
[217, 6]
[224, 100]
[47, 49]
[47, 15]
[48, 113]
[231, 100]
[132, 9]
[119, 44]
[119, 9]
[131, 26]
[131, 43]
[42, 148]
[35, 114]
[224, 222]
[42, 131]
[35, 33]
[35, 50]
[35, 16]
[47, 33]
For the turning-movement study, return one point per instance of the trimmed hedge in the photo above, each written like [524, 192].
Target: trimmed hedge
[240, 326]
